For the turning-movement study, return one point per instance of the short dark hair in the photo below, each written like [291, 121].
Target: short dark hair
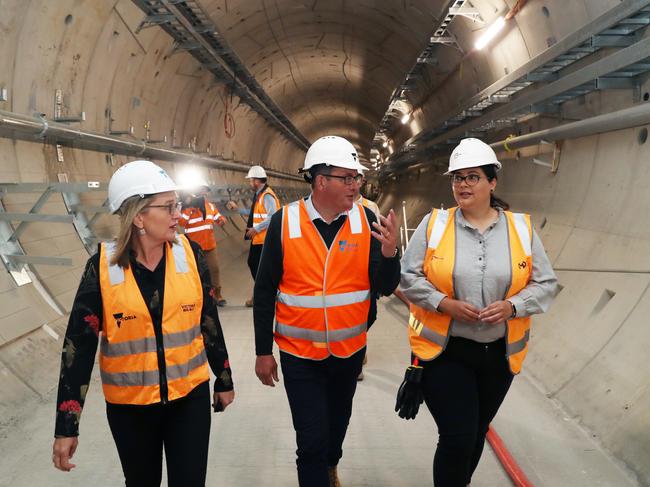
[318, 170]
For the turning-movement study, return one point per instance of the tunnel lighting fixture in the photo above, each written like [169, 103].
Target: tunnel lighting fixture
[490, 33]
[385, 144]
[406, 118]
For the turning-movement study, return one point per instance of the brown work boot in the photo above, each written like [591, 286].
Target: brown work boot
[334, 477]
[249, 303]
[219, 298]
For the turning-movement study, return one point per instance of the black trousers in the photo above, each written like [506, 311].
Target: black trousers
[254, 255]
[320, 397]
[182, 427]
[463, 389]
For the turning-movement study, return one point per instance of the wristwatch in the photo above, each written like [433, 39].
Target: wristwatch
[514, 310]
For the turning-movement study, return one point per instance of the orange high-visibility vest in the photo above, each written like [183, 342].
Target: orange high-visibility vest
[128, 360]
[260, 213]
[429, 330]
[324, 295]
[199, 229]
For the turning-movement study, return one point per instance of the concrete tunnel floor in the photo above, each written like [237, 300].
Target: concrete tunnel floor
[253, 442]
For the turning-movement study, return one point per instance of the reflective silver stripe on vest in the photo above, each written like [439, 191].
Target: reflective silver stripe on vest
[115, 272]
[442, 216]
[180, 258]
[183, 370]
[293, 215]
[519, 345]
[209, 226]
[320, 336]
[521, 225]
[329, 301]
[354, 216]
[148, 344]
[151, 377]
[427, 333]
[260, 215]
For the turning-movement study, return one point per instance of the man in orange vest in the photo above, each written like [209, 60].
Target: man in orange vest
[265, 203]
[198, 217]
[318, 271]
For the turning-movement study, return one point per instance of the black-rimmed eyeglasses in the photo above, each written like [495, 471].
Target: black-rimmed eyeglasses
[347, 180]
[470, 179]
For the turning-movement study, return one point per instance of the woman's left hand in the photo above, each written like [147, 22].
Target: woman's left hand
[497, 312]
[224, 398]
[386, 233]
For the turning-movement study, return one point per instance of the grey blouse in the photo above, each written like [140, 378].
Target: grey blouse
[481, 275]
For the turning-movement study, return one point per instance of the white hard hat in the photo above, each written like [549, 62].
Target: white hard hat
[362, 169]
[332, 151]
[256, 172]
[137, 178]
[472, 153]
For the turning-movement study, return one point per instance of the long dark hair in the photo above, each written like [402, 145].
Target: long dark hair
[490, 172]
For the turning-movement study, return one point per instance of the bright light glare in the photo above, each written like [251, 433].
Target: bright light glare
[385, 144]
[490, 33]
[406, 118]
[189, 178]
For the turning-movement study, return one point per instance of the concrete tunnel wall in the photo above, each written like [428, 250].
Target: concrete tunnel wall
[588, 352]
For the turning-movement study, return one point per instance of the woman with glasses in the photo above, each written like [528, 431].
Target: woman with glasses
[146, 298]
[474, 275]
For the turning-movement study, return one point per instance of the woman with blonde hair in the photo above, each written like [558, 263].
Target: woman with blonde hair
[146, 298]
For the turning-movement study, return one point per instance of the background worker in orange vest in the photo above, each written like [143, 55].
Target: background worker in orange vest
[474, 275]
[319, 268]
[148, 298]
[198, 216]
[265, 203]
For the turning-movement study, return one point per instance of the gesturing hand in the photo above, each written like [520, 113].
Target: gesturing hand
[385, 232]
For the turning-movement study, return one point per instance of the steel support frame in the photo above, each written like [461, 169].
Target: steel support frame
[11, 252]
[571, 41]
[266, 108]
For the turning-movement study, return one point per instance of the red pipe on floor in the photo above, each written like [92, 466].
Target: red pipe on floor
[509, 464]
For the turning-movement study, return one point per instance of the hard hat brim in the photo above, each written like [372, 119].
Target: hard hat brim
[493, 163]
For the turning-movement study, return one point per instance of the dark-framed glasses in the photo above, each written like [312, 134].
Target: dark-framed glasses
[470, 179]
[171, 207]
[348, 180]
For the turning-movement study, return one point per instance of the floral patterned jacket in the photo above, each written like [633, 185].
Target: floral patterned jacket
[84, 326]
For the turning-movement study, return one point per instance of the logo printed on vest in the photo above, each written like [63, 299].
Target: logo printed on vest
[119, 318]
[522, 264]
[188, 307]
[344, 245]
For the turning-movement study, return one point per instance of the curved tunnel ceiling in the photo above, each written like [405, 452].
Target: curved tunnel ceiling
[563, 81]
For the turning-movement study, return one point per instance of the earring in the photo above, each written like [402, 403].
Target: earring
[142, 231]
